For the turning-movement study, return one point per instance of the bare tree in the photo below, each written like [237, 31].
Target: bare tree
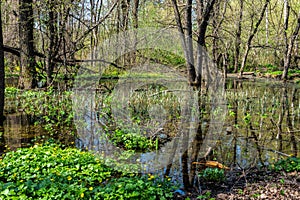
[238, 37]
[289, 42]
[290, 46]
[251, 36]
[204, 10]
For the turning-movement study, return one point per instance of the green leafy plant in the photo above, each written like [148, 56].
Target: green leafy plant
[207, 195]
[212, 175]
[290, 164]
[247, 118]
[51, 171]
[240, 191]
[51, 109]
[131, 141]
[136, 188]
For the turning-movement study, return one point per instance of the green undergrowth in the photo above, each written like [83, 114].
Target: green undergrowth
[50, 171]
[289, 164]
[212, 175]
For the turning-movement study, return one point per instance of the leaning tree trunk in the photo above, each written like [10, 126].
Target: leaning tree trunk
[27, 78]
[2, 73]
[249, 41]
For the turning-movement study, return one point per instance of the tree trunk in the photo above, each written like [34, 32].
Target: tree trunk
[27, 59]
[135, 22]
[267, 26]
[125, 14]
[203, 15]
[190, 67]
[248, 44]
[52, 41]
[2, 73]
[288, 54]
[135, 10]
[203, 19]
[189, 42]
[238, 38]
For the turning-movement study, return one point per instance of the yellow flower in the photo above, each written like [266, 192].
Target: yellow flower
[21, 181]
[82, 195]
[151, 177]
[69, 178]
[91, 188]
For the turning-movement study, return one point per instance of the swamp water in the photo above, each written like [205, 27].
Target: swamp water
[261, 124]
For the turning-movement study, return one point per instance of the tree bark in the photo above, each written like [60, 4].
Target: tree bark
[2, 73]
[53, 35]
[27, 78]
[203, 19]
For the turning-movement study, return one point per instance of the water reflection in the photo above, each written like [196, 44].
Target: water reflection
[17, 132]
[266, 121]
[262, 124]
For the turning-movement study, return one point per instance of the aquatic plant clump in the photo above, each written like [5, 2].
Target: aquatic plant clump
[51, 109]
[51, 172]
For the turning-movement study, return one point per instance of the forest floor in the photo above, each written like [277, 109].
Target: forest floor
[252, 184]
